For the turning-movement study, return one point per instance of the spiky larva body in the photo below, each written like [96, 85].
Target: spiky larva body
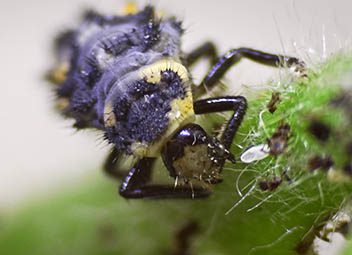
[124, 75]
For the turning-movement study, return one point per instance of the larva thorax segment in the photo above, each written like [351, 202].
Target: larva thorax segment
[124, 75]
[181, 111]
[152, 107]
[153, 73]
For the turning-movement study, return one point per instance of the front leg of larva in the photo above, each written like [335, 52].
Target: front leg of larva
[137, 185]
[238, 104]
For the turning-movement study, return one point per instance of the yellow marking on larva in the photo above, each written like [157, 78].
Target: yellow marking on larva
[139, 149]
[130, 8]
[62, 104]
[180, 108]
[160, 14]
[152, 73]
[109, 116]
[59, 74]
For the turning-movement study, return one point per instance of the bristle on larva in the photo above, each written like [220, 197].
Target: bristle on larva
[152, 73]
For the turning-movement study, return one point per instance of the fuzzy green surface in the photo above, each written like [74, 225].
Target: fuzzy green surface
[93, 219]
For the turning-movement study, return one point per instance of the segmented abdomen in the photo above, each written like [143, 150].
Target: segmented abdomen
[93, 56]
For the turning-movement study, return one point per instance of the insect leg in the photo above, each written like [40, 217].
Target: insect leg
[111, 165]
[135, 185]
[238, 104]
[233, 56]
[207, 49]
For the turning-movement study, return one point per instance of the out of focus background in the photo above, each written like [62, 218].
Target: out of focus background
[41, 153]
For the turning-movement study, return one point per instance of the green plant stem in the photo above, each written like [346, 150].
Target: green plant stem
[239, 218]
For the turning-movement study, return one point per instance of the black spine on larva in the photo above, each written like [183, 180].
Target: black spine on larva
[103, 50]
[151, 33]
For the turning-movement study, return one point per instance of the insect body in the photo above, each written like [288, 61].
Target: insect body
[128, 77]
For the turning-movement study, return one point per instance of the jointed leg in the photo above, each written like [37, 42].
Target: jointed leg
[234, 56]
[205, 50]
[238, 104]
[111, 165]
[136, 185]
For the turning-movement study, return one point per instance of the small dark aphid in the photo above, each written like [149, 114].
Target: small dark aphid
[344, 228]
[128, 77]
[274, 101]
[322, 162]
[270, 185]
[319, 130]
[183, 238]
[278, 141]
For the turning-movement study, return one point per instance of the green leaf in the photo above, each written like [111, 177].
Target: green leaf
[239, 218]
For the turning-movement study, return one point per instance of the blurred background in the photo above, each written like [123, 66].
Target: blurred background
[41, 153]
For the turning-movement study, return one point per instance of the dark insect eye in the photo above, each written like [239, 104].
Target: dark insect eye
[322, 162]
[192, 154]
[319, 130]
[190, 135]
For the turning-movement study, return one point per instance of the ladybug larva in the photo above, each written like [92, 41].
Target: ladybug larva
[128, 77]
